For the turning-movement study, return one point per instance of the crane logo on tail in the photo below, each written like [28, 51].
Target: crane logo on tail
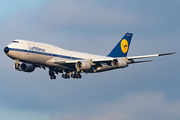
[124, 46]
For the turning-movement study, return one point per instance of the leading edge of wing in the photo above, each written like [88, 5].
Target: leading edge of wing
[58, 61]
[147, 56]
[109, 59]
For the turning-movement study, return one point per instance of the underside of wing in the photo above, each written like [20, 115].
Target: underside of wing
[86, 64]
[92, 62]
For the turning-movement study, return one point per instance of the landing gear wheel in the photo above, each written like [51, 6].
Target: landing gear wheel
[75, 76]
[63, 76]
[72, 75]
[80, 76]
[66, 76]
[53, 77]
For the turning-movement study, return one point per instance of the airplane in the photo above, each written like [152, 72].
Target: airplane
[30, 55]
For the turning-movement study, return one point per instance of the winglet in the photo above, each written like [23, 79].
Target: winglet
[167, 54]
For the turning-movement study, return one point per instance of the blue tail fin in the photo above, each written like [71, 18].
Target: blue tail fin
[122, 47]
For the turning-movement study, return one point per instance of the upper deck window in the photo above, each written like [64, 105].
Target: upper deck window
[15, 41]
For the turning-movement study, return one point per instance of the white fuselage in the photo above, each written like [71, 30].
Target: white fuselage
[40, 54]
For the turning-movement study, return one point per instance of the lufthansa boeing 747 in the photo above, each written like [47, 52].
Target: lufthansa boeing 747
[30, 55]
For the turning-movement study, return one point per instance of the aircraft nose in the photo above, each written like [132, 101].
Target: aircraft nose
[6, 50]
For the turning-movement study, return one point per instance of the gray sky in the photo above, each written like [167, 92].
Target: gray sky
[141, 91]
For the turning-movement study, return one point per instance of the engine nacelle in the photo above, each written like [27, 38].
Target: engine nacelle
[119, 63]
[83, 65]
[25, 67]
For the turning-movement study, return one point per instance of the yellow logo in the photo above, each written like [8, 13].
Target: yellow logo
[124, 46]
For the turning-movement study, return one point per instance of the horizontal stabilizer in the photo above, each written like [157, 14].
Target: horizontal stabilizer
[140, 61]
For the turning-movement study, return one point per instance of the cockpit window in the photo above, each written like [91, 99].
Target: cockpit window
[15, 41]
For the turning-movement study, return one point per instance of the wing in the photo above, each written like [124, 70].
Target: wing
[70, 64]
[146, 56]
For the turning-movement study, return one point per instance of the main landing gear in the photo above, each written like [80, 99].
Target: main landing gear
[52, 74]
[75, 75]
[67, 75]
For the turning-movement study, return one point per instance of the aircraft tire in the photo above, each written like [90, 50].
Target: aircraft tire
[67, 76]
[53, 77]
[63, 76]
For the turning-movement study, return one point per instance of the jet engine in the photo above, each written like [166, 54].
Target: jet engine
[25, 67]
[119, 63]
[83, 65]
